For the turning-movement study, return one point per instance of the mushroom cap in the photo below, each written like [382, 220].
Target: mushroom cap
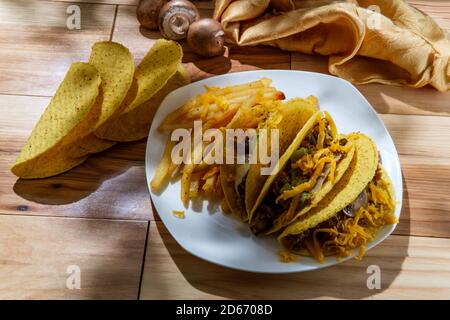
[206, 37]
[175, 17]
[147, 13]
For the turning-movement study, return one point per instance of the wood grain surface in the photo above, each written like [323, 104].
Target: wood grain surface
[97, 215]
[411, 268]
[37, 47]
[36, 252]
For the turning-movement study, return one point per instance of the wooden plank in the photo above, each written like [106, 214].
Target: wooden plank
[127, 31]
[139, 40]
[201, 4]
[420, 139]
[110, 184]
[426, 172]
[37, 47]
[426, 201]
[411, 268]
[121, 2]
[438, 9]
[36, 252]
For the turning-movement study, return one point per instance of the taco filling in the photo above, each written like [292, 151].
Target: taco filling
[236, 178]
[350, 228]
[308, 168]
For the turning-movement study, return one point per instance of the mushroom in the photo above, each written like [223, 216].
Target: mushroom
[206, 37]
[175, 17]
[147, 13]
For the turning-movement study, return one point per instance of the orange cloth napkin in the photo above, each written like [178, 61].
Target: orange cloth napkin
[382, 41]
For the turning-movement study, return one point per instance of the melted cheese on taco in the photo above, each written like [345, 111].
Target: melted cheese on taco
[300, 182]
[352, 227]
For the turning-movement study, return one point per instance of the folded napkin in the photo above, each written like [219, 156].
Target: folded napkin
[382, 41]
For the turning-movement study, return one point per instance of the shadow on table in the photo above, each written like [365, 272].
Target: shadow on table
[85, 179]
[109, 186]
[235, 59]
[346, 281]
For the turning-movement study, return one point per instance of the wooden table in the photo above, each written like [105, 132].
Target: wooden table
[98, 216]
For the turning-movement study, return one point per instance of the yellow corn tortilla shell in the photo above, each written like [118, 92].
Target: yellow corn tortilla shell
[135, 124]
[50, 164]
[74, 109]
[151, 75]
[230, 193]
[87, 145]
[361, 171]
[297, 114]
[115, 64]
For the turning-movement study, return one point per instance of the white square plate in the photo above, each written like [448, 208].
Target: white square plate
[209, 234]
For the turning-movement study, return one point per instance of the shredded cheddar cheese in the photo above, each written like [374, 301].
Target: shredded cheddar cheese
[286, 256]
[336, 147]
[321, 153]
[291, 211]
[205, 111]
[306, 186]
[321, 136]
[211, 172]
[332, 126]
[179, 214]
[316, 162]
[306, 163]
[354, 232]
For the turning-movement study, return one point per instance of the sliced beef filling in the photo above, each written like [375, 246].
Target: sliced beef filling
[241, 193]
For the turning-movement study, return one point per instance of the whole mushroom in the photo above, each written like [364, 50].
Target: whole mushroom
[175, 17]
[147, 13]
[206, 37]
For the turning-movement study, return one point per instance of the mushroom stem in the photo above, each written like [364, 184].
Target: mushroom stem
[175, 18]
[180, 24]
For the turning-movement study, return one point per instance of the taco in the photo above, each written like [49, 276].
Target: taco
[288, 119]
[351, 214]
[314, 162]
[233, 176]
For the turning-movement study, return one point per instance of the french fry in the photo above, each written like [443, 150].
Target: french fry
[263, 82]
[194, 186]
[213, 171]
[235, 96]
[186, 183]
[218, 188]
[241, 106]
[194, 111]
[225, 206]
[164, 169]
[208, 186]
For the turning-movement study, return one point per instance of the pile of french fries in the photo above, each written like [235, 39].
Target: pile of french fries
[241, 106]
